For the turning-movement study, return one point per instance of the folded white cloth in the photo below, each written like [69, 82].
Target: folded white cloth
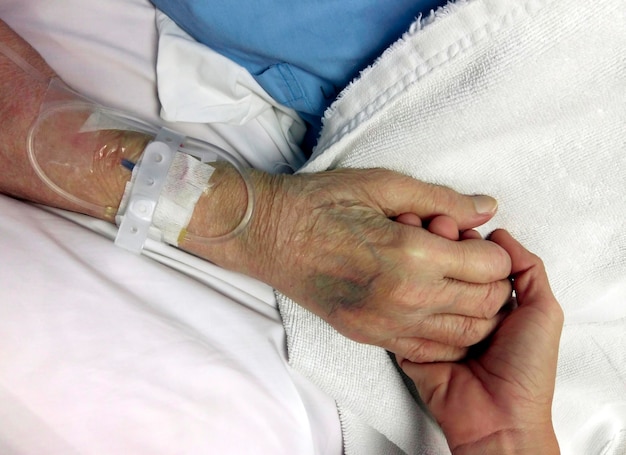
[196, 84]
[524, 100]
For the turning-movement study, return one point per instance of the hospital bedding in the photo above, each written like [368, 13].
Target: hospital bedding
[105, 352]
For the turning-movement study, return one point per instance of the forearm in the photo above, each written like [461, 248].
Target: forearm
[20, 99]
[218, 211]
[221, 208]
[24, 83]
[327, 240]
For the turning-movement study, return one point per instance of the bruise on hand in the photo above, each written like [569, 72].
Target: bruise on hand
[339, 292]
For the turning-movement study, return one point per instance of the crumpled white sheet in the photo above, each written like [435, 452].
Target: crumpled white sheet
[198, 85]
[103, 351]
[106, 352]
[524, 100]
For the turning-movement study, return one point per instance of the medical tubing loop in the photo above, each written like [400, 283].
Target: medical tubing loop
[139, 126]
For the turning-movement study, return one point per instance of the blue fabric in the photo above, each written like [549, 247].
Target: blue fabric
[303, 52]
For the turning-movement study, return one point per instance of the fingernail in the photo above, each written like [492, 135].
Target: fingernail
[485, 204]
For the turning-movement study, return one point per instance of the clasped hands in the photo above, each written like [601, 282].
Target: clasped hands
[346, 244]
[392, 261]
[352, 246]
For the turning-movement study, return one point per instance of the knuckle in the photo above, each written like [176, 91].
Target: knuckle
[424, 351]
[419, 298]
[539, 264]
[500, 264]
[439, 199]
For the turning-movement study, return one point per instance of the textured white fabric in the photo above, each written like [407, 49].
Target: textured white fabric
[524, 100]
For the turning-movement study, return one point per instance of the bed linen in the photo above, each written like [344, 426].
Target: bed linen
[589, 414]
[102, 351]
[107, 352]
[526, 101]
[196, 84]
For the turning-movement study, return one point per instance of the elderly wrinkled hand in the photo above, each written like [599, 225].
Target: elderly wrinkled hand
[348, 245]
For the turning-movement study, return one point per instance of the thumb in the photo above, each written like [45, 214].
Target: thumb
[534, 295]
[530, 279]
[400, 194]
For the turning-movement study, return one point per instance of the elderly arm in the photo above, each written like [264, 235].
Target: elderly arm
[331, 241]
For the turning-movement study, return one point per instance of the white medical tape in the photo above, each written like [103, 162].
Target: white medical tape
[143, 191]
[186, 181]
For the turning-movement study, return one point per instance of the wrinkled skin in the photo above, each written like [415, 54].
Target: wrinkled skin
[330, 242]
[84, 164]
[378, 255]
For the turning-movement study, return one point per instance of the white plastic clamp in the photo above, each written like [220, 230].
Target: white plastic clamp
[150, 176]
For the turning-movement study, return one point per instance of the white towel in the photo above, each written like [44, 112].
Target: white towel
[524, 100]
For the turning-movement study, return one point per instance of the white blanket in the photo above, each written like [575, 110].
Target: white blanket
[524, 100]
[196, 84]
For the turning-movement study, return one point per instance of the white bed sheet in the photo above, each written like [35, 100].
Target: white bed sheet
[105, 352]
[102, 351]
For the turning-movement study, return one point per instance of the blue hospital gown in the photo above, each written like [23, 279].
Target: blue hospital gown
[301, 52]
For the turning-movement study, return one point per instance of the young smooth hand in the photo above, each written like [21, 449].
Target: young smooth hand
[499, 401]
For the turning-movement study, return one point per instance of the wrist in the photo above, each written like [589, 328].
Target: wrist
[220, 210]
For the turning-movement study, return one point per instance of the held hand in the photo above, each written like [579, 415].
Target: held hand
[329, 242]
[500, 402]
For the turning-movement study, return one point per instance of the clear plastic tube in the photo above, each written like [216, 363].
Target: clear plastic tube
[74, 143]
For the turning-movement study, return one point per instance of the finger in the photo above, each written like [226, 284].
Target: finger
[483, 301]
[420, 350]
[473, 260]
[529, 274]
[538, 319]
[410, 219]
[431, 380]
[442, 225]
[397, 194]
[445, 227]
[471, 234]
[455, 330]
